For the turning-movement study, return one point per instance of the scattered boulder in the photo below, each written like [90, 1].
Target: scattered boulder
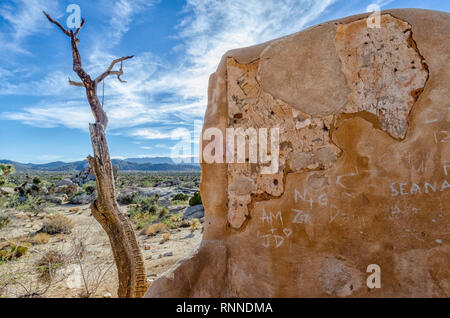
[167, 183]
[84, 176]
[83, 199]
[164, 202]
[56, 199]
[66, 186]
[127, 195]
[176, 208]
[194, 212]
[63, 183]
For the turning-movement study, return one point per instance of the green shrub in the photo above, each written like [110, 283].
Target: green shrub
[145, 204]
[173, 221]
[196, 199]
[89, 187]
[180, 197]
[5, 170]
[33, 204]
[12, 251]
[36, 180]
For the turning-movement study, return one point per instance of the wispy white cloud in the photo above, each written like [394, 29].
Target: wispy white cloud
[207, 30]
[121, 14]
[71, 114]
[24, 18]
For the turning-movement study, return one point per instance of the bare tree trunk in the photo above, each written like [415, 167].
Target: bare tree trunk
[127, 255]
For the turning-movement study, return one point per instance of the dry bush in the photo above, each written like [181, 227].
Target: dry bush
[155, 229]
[49, 263]
[195, 225]
[166, 237]
[57, 224]
[40, 238]
[29, 278]
[92, 276]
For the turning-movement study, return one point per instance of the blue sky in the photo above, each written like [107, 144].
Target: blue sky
[176, 43]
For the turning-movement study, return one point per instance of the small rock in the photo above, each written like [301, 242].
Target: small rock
[63, 183]
[107, 295]
[164, 202]
[168, 254]
[57, 199]
[147, 247]
[194, 212]
[83, 199]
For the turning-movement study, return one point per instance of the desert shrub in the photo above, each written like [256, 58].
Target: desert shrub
[36, 180]
[180, 197]
[144, 219]
[57, 224]
[195, 225]
[173, 221]
[13, 201]
[147, 184]
[48, 264]
[4, 220]
[12, 251]
[154, 229]
[33, 204]
[5, 170]
[143, 205]
[163, 212]
[40, 238]
[196, 199]
[89, 187]
[165, 237]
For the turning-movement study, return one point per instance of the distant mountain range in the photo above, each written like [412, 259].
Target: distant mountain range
[131, 164]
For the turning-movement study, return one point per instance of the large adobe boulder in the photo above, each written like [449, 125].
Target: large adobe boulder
[364, 163]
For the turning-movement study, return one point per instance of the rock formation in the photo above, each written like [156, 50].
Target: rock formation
[363, 118]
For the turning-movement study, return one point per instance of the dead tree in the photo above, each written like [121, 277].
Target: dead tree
[127, 255]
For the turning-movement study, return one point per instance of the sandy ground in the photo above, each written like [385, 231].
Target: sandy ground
[96, 268]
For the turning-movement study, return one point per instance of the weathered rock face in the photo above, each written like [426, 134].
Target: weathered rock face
[363, 166]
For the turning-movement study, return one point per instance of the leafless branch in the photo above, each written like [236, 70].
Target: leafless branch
[68, 33]
[79, 28]
[109, 71]
[78, 84]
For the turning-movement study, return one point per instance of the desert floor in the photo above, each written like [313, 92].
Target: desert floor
[92, 271]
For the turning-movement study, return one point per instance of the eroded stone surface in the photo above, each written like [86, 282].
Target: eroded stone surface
[384, 69]
[347, 194]
[249, 107]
